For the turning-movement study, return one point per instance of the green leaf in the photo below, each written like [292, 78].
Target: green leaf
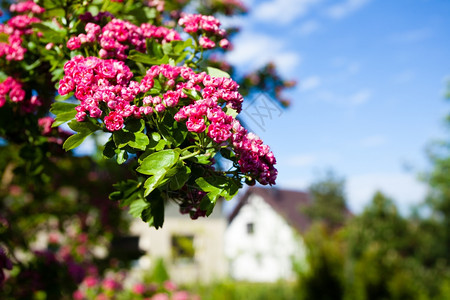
[180, 178]
[227, 153]
[154, 49]
[173, 132]
[202, 159]
[180, 46]
[51, 31]
[83, 129]
[193, 94]
[74, 141]
[217, 72]
[146, 59]
[127, 192]
[218, 186]
[140, 141]
[167, 48]
[65, 97]
[122, 138]
[155, 181]
[110, 148]
[122, 156]
[154, 213]
[136, 140]
[155, 162]
[135, 125]
[4, 37]
[29, 67]
[137, 207]
[63, 111]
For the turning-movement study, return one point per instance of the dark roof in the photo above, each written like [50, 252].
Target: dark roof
[287, 203]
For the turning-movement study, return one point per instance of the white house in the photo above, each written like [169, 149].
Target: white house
[263, 236]
[193, 250]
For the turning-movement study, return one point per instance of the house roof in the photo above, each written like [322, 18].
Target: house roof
[286, 203]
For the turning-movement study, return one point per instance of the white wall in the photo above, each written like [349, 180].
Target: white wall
[209, 263]
[266, 255]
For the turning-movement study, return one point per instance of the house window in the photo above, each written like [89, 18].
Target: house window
[183, 250]
[250, 228]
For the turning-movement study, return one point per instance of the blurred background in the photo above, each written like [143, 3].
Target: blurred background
[371, 80]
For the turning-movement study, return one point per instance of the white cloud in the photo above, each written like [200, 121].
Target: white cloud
[345, 8]
[297, 183]
[404, 77]
[299, 160]
[360, 97]
[355, 99]
[346, 67]
[308, 27]
[373, 141]
[412, 36]
[310, 83]
[253, 50]
[282, 11]
[404, 189]
[287, 62]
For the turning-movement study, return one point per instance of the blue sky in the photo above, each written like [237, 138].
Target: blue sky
[370, 96]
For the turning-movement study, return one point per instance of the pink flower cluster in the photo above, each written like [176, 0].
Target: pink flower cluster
[27, 6]
[116, 37]
[191, 202]
[208, 27]
[15, 28]
[255, 158]
[45, 124]
[111, 288]
[98, 81]
[12, 89]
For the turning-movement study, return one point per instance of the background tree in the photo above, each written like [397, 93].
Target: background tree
[328, 200]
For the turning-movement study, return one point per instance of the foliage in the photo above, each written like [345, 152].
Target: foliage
[72, 71]
[378, 254]
[328, 200]
[439, 193]
[231, 290]
[325, 262]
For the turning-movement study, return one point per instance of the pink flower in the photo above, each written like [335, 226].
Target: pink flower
[78, 295]
[181, 295]
[66, 85]
[110, 284]
[93, 28]
[46, 125]
[101, 297]
[113, 121]
[219, 132]
[206, 43]
[74, 43]
[160, 108]
[90, 281]
[170, 286]
[196, 124]
[171, 98]
[139, 288]
[160, 296]
[224, 43]
[17, 94]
